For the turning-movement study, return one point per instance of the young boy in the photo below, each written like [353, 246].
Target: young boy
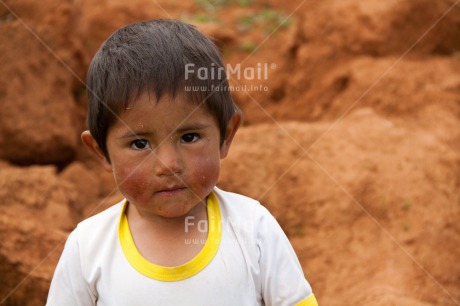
[176, 239]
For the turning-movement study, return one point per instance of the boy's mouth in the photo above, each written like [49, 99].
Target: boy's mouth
[169, 191]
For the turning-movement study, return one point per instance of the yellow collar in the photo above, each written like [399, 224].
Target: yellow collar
[170, 274]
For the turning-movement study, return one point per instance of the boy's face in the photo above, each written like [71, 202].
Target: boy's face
[165, 155]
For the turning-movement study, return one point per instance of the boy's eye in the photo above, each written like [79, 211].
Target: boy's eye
[139, 144]
[190, 137]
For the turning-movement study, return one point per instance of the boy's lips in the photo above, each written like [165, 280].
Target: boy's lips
[169, 190]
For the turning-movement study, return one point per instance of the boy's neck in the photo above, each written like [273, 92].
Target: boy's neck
[162, 240]
[139, 217]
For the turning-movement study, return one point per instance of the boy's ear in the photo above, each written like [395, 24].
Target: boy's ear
[94, 148]
[232, 127]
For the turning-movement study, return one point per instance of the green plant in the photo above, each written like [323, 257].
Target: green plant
[244, 2]
[383, 209]
[213, 5]
[204, 18]
[272, 20]
[201, 18]
[245, 23]
[210, 5]
[407, 204]
[405, 226]
[248, 46]
[268, 19]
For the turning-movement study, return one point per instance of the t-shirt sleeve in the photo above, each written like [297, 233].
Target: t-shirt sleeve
[283, 280]
[68, 286]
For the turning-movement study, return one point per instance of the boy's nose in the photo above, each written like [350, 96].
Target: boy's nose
[167, 161]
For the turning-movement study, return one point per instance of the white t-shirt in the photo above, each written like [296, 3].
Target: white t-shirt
[246, 260]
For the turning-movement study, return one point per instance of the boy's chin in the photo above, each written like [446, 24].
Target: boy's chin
[170, 211]
[193, 209]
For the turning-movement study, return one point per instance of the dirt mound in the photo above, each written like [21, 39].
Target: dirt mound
[351, 141]
[35, 217]
[28, 256]
[395, 202]
[37, 123]
[36, 191]
[381, 84]
[376, 28]
[371, 47]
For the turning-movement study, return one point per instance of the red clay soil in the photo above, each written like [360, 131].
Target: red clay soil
[351, 136]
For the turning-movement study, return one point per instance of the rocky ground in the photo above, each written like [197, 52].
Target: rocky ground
[352, 140]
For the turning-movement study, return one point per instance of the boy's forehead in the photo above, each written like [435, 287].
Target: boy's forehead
[148, 101]
[179, 108]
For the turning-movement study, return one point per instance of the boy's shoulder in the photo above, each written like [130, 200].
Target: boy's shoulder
[101, 222]
[238, 205]
[108, 213]
[234, 197]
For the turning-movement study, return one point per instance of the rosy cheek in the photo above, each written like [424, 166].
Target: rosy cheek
[133, 184]
[207, 172]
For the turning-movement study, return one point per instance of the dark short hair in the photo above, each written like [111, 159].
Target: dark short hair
[152, 56]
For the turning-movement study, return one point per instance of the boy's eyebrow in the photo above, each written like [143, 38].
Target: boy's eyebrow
[192, 127]
[132, 133]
